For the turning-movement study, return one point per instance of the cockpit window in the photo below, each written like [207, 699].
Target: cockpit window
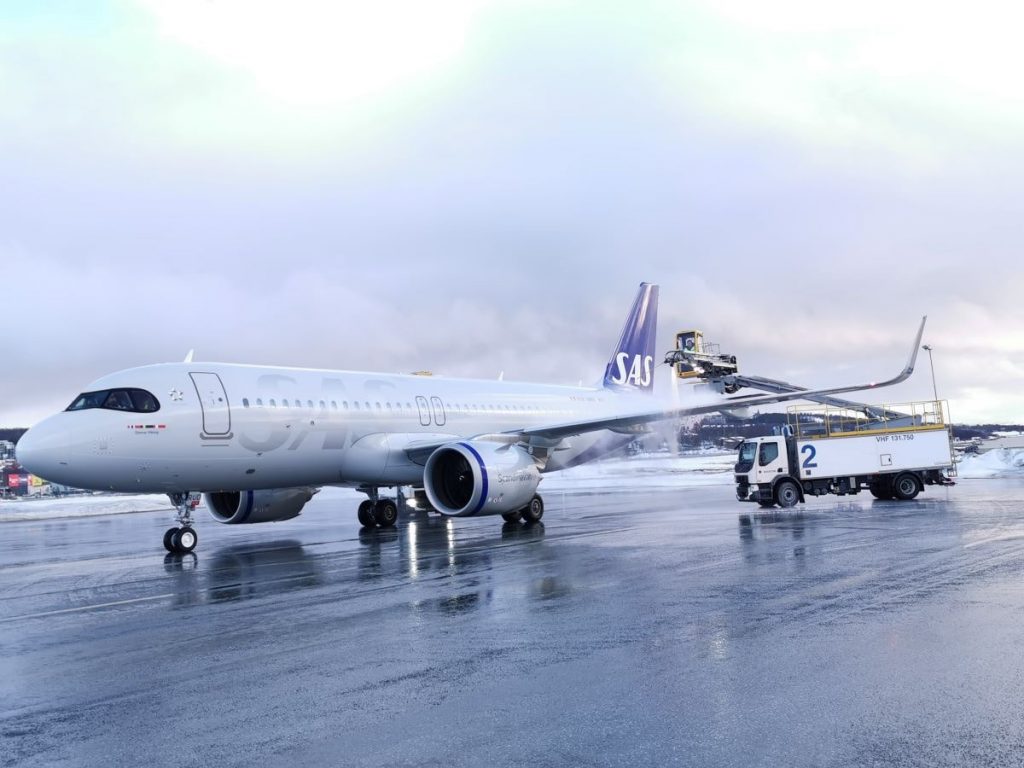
[89, 400]
[118, 400]
[143, 401]
[132, 400]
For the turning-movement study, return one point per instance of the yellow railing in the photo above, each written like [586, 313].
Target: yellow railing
[829, 421]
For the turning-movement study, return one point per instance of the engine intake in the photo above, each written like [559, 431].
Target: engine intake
[479, 478]
[242, 507]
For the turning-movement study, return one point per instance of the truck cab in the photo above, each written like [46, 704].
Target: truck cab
[762, 464]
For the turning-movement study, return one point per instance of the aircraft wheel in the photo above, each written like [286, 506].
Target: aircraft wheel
[786, 493]
[386, 513]
[511, 517]
[534, 511]
[169, 538]
[906, 487]
[185, 540]
[365, 514]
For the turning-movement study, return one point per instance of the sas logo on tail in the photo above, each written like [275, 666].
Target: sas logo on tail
[639, 374]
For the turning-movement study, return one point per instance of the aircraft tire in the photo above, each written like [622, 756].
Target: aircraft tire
[185, 540]
[386, 513]
[534, 511]
[169, 539]
[511, 517]
[365, 514]
[786, 493]
[906, 487]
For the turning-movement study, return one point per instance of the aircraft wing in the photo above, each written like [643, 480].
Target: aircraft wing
[776, 385]
[631, 422]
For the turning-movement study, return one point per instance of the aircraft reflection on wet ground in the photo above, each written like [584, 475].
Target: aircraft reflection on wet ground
[423, 547]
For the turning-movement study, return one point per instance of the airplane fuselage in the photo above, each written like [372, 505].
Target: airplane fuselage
[224, 427]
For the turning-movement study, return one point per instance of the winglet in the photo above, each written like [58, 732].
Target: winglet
[190, 355]
[917, 345]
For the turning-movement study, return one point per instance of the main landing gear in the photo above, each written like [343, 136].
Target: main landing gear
[182, 539]
[531, 513]
[378, 512]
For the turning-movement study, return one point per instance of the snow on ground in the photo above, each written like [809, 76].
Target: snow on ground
[49, 508]
[1001, 462]
[652, 470]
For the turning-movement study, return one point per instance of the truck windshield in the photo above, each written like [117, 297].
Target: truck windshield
[746, 458]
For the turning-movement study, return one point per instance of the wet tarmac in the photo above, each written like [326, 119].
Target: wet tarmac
[669, 628]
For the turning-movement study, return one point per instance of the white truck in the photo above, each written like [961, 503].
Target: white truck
[893, 452]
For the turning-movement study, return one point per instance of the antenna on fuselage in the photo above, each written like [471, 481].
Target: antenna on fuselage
[190, 355]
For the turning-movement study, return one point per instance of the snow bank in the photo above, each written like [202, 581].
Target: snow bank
[1001, 462]
[48, 508]
[646, 471]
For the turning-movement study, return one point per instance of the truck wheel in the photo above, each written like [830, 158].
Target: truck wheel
[881, 489]
[906, 487]
[786, 493]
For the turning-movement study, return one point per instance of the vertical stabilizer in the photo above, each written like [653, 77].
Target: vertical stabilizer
[632, 363]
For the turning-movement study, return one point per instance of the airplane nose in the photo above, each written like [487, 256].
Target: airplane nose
[44, 450]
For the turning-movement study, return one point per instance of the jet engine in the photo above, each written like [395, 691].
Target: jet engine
[237, 507]
[480, 478]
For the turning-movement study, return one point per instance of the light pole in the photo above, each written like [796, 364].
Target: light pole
[928, 348]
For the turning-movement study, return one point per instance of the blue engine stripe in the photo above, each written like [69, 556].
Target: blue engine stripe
[483, 474]
[247, 507]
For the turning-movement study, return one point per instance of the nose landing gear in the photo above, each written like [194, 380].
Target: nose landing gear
[182, 539]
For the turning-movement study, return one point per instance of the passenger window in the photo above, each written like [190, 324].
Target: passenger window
[259, 401]
[273, 403]
[377, 405]
[284, 403]
[769, 452]
[323, 405]
[309, 404]
[245, 402]
[355, 404]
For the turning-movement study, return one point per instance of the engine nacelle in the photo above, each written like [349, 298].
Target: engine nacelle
[238, 507]
[479, 478]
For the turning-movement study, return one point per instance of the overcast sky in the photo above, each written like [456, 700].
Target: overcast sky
[473, 187]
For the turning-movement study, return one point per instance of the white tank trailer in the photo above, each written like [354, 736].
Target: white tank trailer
[891, 451]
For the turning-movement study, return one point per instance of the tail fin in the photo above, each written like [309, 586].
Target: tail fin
[632, 363]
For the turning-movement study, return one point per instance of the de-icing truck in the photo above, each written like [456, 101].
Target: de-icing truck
[891, 451]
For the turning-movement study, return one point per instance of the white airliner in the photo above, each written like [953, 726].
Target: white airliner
[260, 441]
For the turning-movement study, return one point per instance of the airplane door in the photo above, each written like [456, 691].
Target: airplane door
[424, 409]
[214, 401]
[439, 417]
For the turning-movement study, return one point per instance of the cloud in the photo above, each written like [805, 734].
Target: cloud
[491, 203]
[919, 82]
